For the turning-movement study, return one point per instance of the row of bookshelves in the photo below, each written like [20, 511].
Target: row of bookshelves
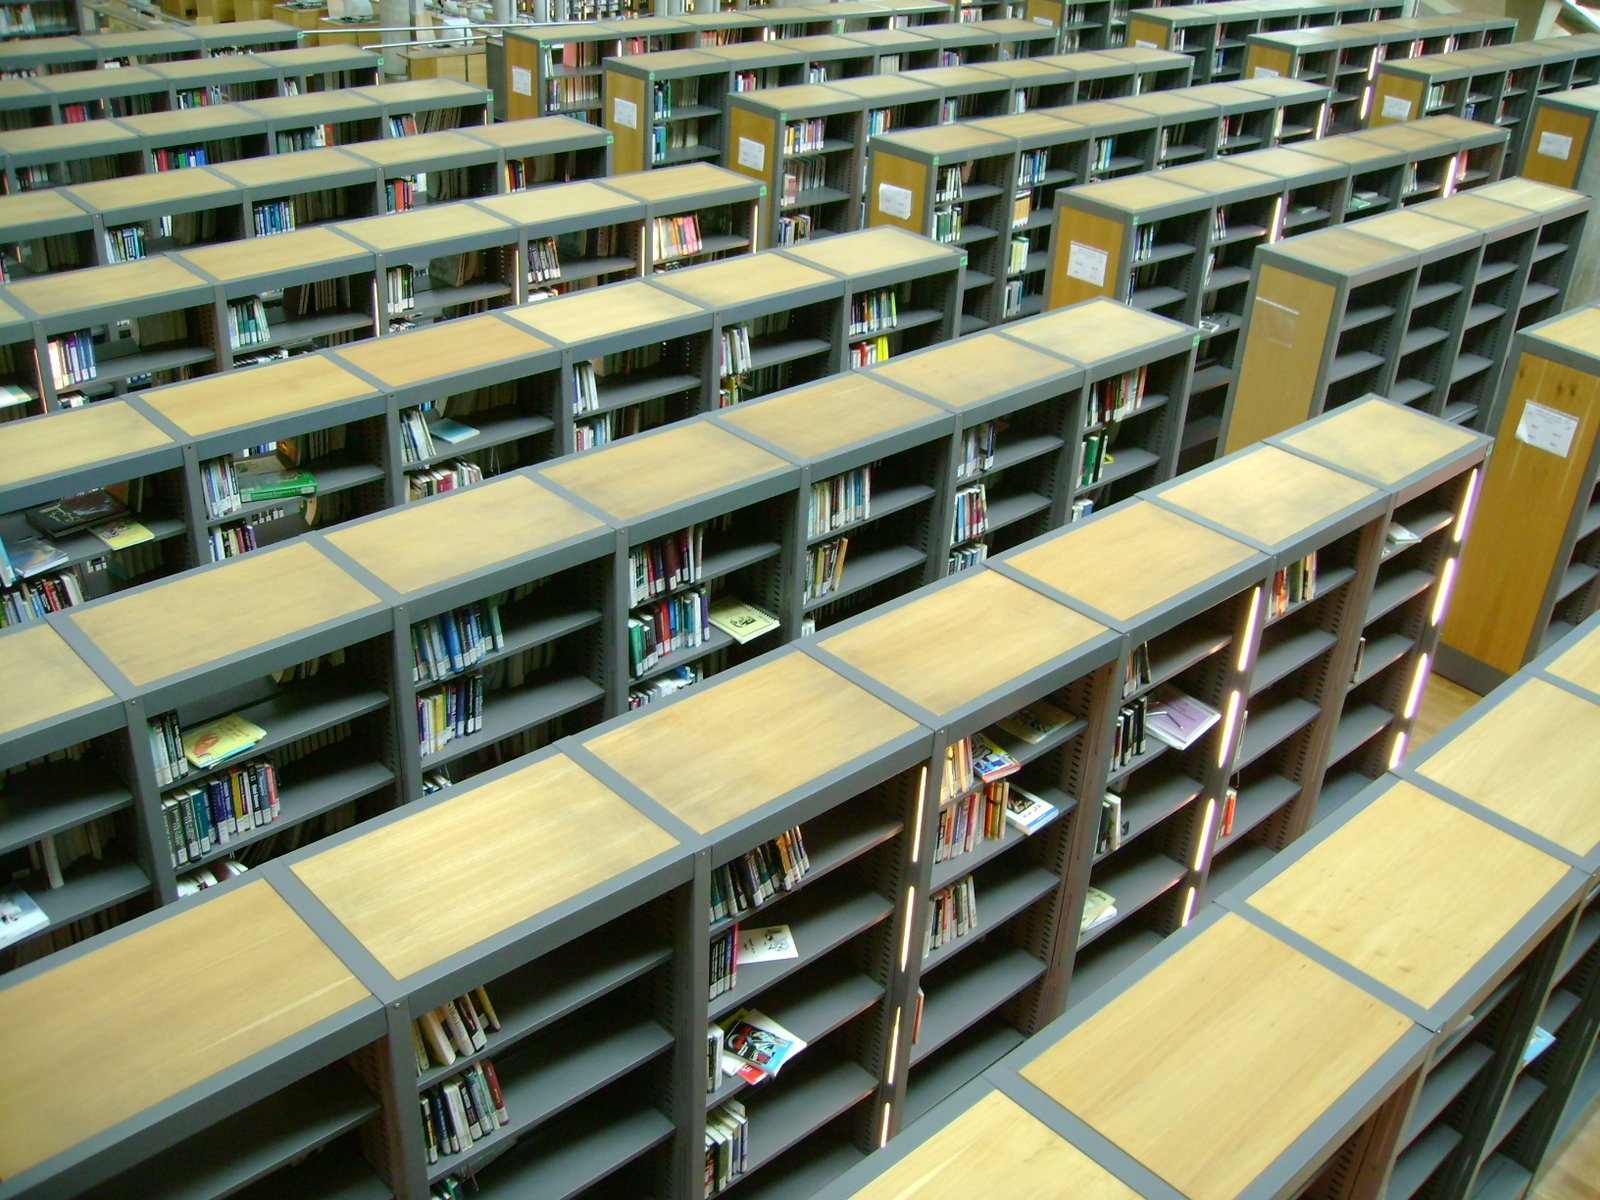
[110, 148]
[209, 309]
[24, 58]
[590, 999]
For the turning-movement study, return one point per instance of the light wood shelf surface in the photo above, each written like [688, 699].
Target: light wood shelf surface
[1382, 441]
[198, 619]
[109, 429]
[878, 249]
[1267, 494]
[1397, 892]
[1526, 193]
[213, 403]
[1578, 330]
[255, 258]
[558, 831]
[1580, 664]
[988, 630]
[891, 89]
[1138, 193]
[1106, 562]
[721, 753]
[162, 187]
[748, 277]
[829, 415]
[53, 295]
[944, 139]
[200, 122]
[426, 226]
[1488, 762]
[114, 1016]
[688, 182]
[50, 205]
[316, 106]
[1208, 1067]
[1095, 330]
[436, 351]
[61, 138]
[43, 678]
[1342, 250]
[293, 168]
[419, 147]
[537, 205]
[426, 544]
[966, 373]
[1415, 231]
[596, 312]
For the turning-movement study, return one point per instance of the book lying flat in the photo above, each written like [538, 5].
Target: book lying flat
[990, 762]
[121, 532]
[30, 556]
[740, 621]
[1177, 718]
[1035, 722]
[223, 738]
[74, 512]
[447, 430]
[1098, 908]
[19, 916]
[756, 1046]
[266, 478]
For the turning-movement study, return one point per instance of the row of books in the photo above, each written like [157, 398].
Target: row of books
[952, 914]
[735, 350]
[966, 822]
[825, 568]
[230, 541]
[247, 323]
[675, 237]
[1116, 398]
[166, 749]
[727, 1146]
[179, 157]
[1012, 297]
[125, 243]
[870, 352]
[1017, 256]
[449, 712]
[1096, 447]
[400, 290]
[72, 358]
[806, 136]
[839, 501]
[1129, 740]
[273, 216]
[455, 641]
[971, 517]
[1136, 669]
[462, 1111]
[1032, 168]
[724, 975]
[544, 263]
[677, 136]
[204, 816]
[34, 599]
[227, 483]
[947, 223]
[443, 477]
[757, 876]
[457, 1027]
[665, 563]
[1113, 825]
[1293, 584]
[875, 312]
[805, 175]
[313, 137]
[667, 94]
[674, 623]
[963, 558]
[977, 448]
[793, 228]
[198, 880]
[567, 92]
[948, 190]
[400, 194]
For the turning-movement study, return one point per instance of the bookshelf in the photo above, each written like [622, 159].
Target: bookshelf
[695, 213]
[1532, 575]
[1087, 26]
[1110, 72]
[45, 231]
[1035, 84]
[665, 107]
[573, 236]
[53, 155]
[1559, 150]
[557, 68]
[324, 68]
[131, 48]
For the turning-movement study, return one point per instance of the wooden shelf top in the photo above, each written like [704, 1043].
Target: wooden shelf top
[73, 291]
[987, 630]
[595, 312]
[112, 1015]
[1380, 440]
[440, 350]
[199, 122]
[1526, 193]
[1397, 892]
[413, 91]
[422, 545]
[135, 41]
[1347, 149]
[892, 89]
[310, 57]
[10, 318]
[968, 372]
[691, 181]
[339, 104]
[63, 138]
[1218, 177]
[785, 101]
[668, 60]
[1475, 212]
[820, 418]
[1096, 330]
[1578, 331]
[162, 187]
[752, 55]
[995, 1139]
[640, 475]
[558, 831]
[1415, 231]
[530, 132]
[1167, 104]
[740, 742]
[1225, 94]
[75, 438]
[1105, 562]
[1488, 762]
[423, 148]
[747, 277]
[1405, 137]
[866, 250]
[1096, 112]
[1284, 88]
[1211, 1065]
[889, 39]
[1281, 163]
[1023, 125]
[1581, 663]
[944, 140]
[298, 167]
[427, 226]
[718, 20]
[198, 72]
[21, 208]
[959, 33]
[43, 678]
[213, 403]
[1458, 128]
[558, 202]
[125, 79]
[1026, 71]
[1343, 250]
[204, 616]
[262, 258]
[1267, 494]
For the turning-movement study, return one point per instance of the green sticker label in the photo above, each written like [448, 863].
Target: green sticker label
[763, 189]
[609, 139]
[963, 260]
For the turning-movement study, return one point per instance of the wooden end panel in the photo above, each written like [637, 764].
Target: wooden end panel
[1555, 147]
[1285, 343]
[630, 141]
[899, 175]
[754, 149]
[1088, 232]
[1150, 35]
[1395, 98]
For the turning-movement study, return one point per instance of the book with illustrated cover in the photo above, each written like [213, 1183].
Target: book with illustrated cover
[1177, 718]
[740, 621]
[990, 762]
[31, 556]
[755, 1046]
[1098, 908]
[74, 512]
[1027, 812]
[19, 916]
[222, 739]
[1035, 722]
[446, 429]
[121, 532]
[266, 478]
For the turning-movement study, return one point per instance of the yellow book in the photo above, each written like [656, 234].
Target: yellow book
[223, 738]
[121, 532]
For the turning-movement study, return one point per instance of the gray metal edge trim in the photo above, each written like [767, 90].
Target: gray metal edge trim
[870, 685]
[1001, 567]
[689, 838]
[1585, 862]
[331, 932]
[1155, 497]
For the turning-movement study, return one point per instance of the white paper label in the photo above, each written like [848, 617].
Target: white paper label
[767, 945]
[1547, 429]
[1396, 108]
[625, 112]
[522, 81]
[894, 201]
[1553, 145]
[1144, 45]
[1087, 263]
[1265, 73]
[752, 154]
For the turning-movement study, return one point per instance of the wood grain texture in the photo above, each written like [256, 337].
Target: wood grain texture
[629, 148]
[435, 351]
[25, 207]
[1391, 89]
[1548, 168]
[734, 280]
[1288, 333]
[254, 976]
[197, 619]
[286, 169]
[1379, 440]
[1415, 231]
[1217, 177]
[226, 120]
[75, 136]
[1342, 250]
[1514, 547]
[1095, 331]
[1529, 194]
[216, 402]
[987, 631]
[1575, 1175]
[42, 678]
[639, 475]
[1268, 494]
[596, 312]
[1208, 1067]
[891, 89]
[164, 187]
[127, 79]
[337, 105]
[994, 1143]
[1580, 664]
[826, 416]
[541, 204]
[1107, 563]
[870, 250]
[689, 182]
[259, 258]
[417, 148]
[1398, 893]
[958, 142]
[558, 832]
[1407, 137]
[975, 369]
[417, 91]
[1443, 700]
[531, 133]
[1473, 211]
[422, 545]
[887, 169]
[53, 295]
[720, 753]
[1492, 762]
[74, 438]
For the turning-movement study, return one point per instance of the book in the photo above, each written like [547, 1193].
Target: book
[121, 532]
[990, 762]
[31, 556]
[266, 478]
[1177, 718]
[1027, 812]
[1098, 908]
[1539, 1041]
[755, 1046]
[1035, 722]
[74, 512]
[767, 944]
[223, 738]
[19, 916]
[740, 621]
[447, 430]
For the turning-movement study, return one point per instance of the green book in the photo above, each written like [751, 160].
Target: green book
[265, 478]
